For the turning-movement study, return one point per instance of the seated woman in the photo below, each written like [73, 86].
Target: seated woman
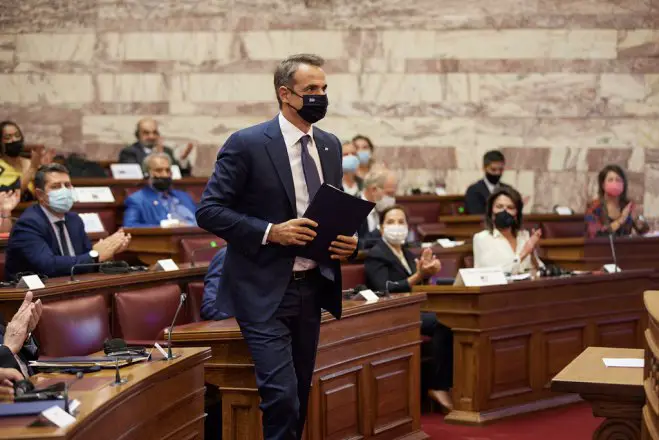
[503, 243]
[612, 212]
[391, 267]
[16, 172]
[352, 184]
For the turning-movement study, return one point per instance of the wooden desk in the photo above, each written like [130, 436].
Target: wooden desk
[428, 207]
[592, 254]
[463, 227]
[149, 245]
[366, 382]
[161, 400]
[614, 393]
[95, 283]
[510, 341]
[122, 187]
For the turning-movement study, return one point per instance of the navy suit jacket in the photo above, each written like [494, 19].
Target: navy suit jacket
[252, 185]
[143, 208]
[476, 197]
[33, 246]
[211, 286]
[29, 352]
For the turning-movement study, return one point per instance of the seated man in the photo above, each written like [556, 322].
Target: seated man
[211, 284]
[158, 201]
[380, 186]
[17, 345]
[48, 239]
[148, 141]
[477, 194]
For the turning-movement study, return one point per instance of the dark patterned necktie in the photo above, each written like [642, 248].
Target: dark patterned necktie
[62, 237]
[309, 167]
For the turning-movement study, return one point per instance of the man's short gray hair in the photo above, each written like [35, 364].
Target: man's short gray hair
[286, 70]
[146, 163]
[376, 178]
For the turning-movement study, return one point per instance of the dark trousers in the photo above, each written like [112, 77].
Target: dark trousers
[284, 352]
[442, 351]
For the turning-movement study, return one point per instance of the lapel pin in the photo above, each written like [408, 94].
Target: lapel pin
[326, 148]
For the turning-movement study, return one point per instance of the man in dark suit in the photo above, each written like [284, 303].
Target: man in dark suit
[148, 141]
[264, 178]
[48, 239]
[17, 347]
[209, 309]
[477, 194]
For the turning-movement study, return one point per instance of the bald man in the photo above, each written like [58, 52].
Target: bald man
[149, 141]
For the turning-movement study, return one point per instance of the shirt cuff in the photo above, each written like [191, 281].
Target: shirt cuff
[265, 236]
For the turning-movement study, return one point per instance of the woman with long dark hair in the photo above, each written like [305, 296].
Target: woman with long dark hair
[613, 212]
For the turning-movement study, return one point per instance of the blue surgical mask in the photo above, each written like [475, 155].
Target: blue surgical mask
[350, 163]
[364, 156]
[61, 200]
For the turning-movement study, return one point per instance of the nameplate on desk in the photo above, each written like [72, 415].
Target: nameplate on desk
[176, 172]
[611, 268]
[481, 277]
[369, 295]
[166, 265]
[92, 222]
[30, 282]
[127, 171]
[94, 194]
[58, 416]
[563, 210]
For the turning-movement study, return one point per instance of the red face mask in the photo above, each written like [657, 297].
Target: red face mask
[613, 189]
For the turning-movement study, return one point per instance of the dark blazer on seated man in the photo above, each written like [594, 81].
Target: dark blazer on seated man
[34, 247]
[477, 195]
[381, 265]
[147, 207]
[209, 310]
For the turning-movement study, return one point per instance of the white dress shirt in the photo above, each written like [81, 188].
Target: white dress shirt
[373, 218]
[292, 136]
[490, 186]
[53, 219]
[492, 249]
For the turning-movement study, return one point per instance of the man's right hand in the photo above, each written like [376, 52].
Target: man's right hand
[7, 375]
[296, 232]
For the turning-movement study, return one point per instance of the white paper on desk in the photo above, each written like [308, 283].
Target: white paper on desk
[624, 362]
[446, 243]
[369, 295]
[58, 416]
[92, 222]
[129, 171]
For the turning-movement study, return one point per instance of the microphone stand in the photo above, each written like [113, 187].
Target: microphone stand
[613, 253]
[118, 380]
[79, 375]
[170, 355]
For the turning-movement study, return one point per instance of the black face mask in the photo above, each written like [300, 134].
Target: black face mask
[13, 149]
[503, 220]
[161, 183]
[493, 178]
[314, 107]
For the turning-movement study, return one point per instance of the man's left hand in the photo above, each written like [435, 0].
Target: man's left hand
[23, 322]
[343, 247]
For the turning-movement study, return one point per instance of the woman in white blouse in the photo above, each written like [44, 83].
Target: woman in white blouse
[503, 243]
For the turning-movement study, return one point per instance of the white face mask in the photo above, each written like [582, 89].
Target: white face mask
[384, 203]
[395, 234]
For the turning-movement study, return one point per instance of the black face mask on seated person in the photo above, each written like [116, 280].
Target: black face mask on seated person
[13, 149]
[161, 183]
[504, 220]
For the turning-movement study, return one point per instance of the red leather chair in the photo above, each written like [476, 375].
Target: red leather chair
[190, 245]
[141, 316]
[195, 295]
[75, 327]
[449, 268]
[563, 229]
[352, 275]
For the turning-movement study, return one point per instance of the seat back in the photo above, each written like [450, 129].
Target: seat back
[563, 229]
[200, 248]
[75, 327]
[140, 316]
[352, 275]
[449, 268]
[469, 261]
[195, 296]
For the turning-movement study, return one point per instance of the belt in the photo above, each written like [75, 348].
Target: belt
[304, 274]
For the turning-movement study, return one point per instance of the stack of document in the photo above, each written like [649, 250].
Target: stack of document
[86, 361]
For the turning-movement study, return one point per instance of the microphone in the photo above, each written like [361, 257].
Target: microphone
[66, 390]
[613, 253]
[76, 266]
[107, 267]
[193, 262]
[169, 332]
[118, 380]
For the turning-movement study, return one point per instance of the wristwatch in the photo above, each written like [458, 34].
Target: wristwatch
[94, 255]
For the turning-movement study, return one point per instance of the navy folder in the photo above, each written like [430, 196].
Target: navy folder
[337, 213]
[28, 408]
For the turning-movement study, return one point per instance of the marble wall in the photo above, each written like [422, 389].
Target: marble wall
[562, 86]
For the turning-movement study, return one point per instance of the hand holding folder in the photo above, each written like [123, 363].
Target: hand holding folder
[336, 213]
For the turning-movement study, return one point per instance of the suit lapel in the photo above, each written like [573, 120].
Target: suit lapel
[396, 260]
[54, 244]
[325, 157]
[276, 148]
